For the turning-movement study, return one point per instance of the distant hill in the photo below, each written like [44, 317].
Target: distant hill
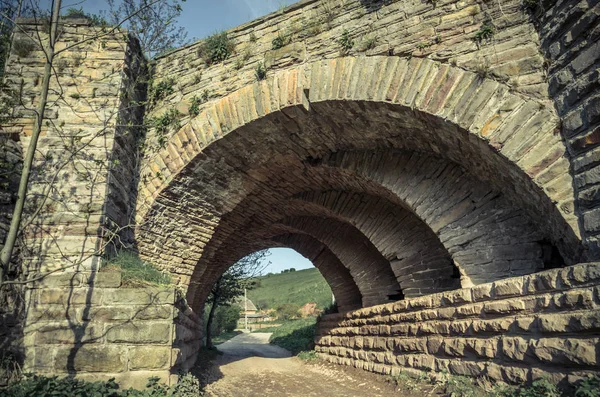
[300, 287]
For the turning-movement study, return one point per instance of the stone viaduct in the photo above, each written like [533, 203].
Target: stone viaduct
[437, 161]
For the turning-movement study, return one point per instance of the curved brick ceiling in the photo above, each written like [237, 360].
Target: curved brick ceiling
[487, 215]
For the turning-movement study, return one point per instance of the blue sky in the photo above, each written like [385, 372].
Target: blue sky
[284, 258]
[201, 18]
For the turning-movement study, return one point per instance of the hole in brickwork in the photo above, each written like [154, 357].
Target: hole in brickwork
[551, 256]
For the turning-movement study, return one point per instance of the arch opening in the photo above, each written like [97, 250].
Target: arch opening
[437, 206]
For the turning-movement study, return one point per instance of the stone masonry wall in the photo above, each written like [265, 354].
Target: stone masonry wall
[311, 30]
[94, 327]
[513, 330]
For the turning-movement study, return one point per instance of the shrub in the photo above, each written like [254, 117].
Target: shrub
[188, 386]
[195, 105]
[588, 387]
[461, 386]
[216, 48]
[165, 123]
[162, 90]
[280, 41]
[261, 71]
[295, 336]
[346, 42]
[287, 311]
[310, 355]
[485, 32]
[540, 387]
[23, 47]
[134, 270]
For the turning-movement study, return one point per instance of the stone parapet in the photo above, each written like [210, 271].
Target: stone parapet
[513, 330]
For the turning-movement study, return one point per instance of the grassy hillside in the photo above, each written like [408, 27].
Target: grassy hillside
[298, 287]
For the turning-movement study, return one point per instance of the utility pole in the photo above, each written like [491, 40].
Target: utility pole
[245, 310]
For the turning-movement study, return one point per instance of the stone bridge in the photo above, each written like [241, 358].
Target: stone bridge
[436, 160]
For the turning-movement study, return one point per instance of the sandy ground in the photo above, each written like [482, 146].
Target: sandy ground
[252, 367]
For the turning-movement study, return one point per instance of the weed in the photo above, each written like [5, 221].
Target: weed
[588, 387]
[162, 90]
[23, 47]
[253, 37]
[169, 121]
[405, 381]
[461, 386]
[260, 71]
[61, 65]
[328, 13]
[133, 269]
[422, 45]
[33, 385]
[281, 41]
[482, 69]
[75, 95]
[345, 42]
[486, 32]
[197, 77]
[195, 106]
[216, 48]
[370, 43]
[77, 60]
[239, 63]
[205, 95]
[310, 355]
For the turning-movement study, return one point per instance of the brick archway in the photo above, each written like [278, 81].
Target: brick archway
[454, 135]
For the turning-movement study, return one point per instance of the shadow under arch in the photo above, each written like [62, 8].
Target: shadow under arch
[312, 112]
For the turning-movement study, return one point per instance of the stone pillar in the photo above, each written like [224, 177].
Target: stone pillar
[83, 178]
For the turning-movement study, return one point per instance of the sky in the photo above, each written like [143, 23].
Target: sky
[285, 258]
[201, 18]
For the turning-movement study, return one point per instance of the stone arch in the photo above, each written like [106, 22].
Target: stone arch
[416, 105]
[343, 286]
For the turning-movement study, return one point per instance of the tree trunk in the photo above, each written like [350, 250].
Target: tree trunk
[15, 224]
[211, 313]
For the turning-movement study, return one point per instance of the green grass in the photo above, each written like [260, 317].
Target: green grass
[299, 287]
[296, 335]
[134, 270]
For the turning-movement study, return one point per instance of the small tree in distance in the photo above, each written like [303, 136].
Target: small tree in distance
[230, 286]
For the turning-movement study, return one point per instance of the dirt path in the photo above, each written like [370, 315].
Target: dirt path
[252, 367]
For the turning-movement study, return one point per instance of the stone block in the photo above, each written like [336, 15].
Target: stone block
[139, 296]
[149, 357]
[411, 345]
[504, 307]
[105, 280]
[469, 310]
[482, 292]
[566, 351]
[466, 368]
[139, 332]
[515, 348]
[545, 281]
[508, 287]
[104, 358]
[574, 299]
[434, 344]
[61, 334]
[66, 297]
